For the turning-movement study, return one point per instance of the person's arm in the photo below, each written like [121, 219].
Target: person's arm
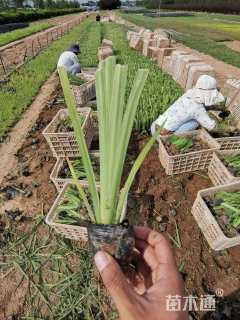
[202, 117]
[146, 293]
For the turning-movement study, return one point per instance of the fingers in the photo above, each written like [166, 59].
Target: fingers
[154, 246]
[115, 281]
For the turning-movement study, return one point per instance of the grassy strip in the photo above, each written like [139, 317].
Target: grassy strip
[192, 37]
[23, 85]
[160, 90]
[11, 36]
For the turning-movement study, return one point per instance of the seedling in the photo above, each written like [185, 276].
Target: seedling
[182, 144]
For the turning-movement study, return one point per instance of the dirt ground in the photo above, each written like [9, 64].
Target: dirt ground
[156, 200]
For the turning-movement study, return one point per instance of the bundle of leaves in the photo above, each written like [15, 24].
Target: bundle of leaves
[74, 80]
[79, 169]
[65, 124]
[182, 144]
[72, 210]
[228, 203]
[233, 162]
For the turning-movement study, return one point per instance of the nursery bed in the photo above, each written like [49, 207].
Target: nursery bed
[154, 197]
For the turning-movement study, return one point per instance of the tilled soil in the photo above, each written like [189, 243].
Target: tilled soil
[156, 200]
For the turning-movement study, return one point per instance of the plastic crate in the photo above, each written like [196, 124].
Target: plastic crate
[207, 222]
[68, 231]
[229, 143]
[218, 172]
[191, 161]
[64, 144]
[84, 93]
[60, 182]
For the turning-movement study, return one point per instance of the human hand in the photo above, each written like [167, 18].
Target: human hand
[156, 277]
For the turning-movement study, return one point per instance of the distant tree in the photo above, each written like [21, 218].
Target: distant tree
[50, 4]
[109, 4]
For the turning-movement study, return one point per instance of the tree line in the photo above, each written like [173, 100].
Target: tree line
[224, 6]
[41, 4]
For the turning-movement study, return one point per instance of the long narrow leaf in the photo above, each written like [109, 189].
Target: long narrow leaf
[71, 104]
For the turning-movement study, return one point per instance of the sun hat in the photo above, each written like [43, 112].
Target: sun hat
[205, 91]
[74, 48]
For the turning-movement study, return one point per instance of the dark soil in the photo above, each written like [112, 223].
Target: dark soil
[13, 26]
[198, 145]
[156, 200]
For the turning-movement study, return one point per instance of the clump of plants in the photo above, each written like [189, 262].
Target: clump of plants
[182, 144]
[74, 80]
[233, 163]
[72, 210]
[116, 116]
[226, 208]
[79, 170]
[65, 123]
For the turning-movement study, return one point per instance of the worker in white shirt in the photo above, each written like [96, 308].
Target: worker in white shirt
[69, 60]
[190, 110]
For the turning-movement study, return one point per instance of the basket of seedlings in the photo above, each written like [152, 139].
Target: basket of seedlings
[103, 224]
[217, 212]
[224, 167]
[60, 133]
[227, 135]
[61, 173]
[186, 152]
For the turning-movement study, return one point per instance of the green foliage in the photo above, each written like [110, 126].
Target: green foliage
[8, 37]
[233, 161]
[160, 90]
[190, 30]
[23, 85]
[74, 80]
[23, 15]
[230, 205]
[181, 143]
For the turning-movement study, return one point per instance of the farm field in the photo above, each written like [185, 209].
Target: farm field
[205, 33]
[47, 276]
[22, 33]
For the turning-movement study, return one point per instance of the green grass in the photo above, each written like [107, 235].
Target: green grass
[60, 274]
[18, 93]
[8, 37]
[203, 33]
[160, 90]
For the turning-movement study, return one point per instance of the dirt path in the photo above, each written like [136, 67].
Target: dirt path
[235, 45]
[55, 21]
[18, 134]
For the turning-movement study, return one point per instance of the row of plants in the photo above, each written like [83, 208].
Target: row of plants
[11, 16]
[160, 90]
[18, 34]
[18, 93]
[192, 36]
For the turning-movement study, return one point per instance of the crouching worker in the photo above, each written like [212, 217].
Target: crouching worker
[190, 110]
[69, 60]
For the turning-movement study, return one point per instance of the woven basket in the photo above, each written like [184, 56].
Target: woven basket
[84, 93]
[206, 221]
[68, 231]
[218, 172]
[60, 182]
[64, 144]
[191, 161]
[229, 143]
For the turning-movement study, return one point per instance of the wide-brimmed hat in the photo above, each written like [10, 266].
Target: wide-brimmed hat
[74, 48]
[205, 91]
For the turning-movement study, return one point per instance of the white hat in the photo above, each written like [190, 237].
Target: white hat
[205, 91]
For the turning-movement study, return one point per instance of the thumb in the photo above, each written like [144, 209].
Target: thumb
[114, 280]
